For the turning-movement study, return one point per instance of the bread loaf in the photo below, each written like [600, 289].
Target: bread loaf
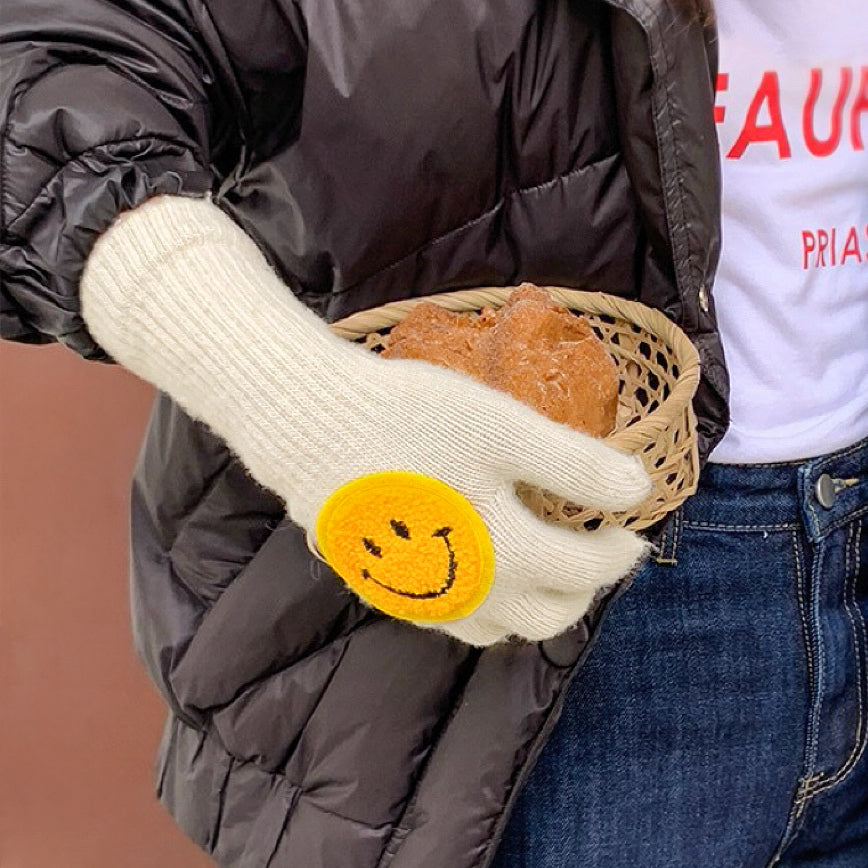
[532, 347]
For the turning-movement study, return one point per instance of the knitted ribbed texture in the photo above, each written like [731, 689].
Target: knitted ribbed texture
[179, 294]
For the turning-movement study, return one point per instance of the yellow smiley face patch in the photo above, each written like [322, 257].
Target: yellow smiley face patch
[410, 545]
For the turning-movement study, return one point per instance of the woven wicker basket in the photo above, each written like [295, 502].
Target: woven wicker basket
[659, 372]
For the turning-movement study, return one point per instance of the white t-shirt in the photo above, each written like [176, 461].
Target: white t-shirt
[792, 288]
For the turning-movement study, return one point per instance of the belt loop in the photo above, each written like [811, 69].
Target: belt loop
[667, 548]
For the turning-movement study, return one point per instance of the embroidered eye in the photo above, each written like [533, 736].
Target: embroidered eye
[372, 547]
[400, 528]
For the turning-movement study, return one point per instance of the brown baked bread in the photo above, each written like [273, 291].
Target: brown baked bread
[432, 333]
[532, 347]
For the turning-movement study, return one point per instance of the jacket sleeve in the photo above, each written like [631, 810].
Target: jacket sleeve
[103, 103]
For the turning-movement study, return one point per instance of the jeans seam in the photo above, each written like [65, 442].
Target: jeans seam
[803, 618]
[676, 535]
[796, 815]
[817, 706]
[710, 525]
[860, 740]
[839, 522]
[669, 541]
[837, 456]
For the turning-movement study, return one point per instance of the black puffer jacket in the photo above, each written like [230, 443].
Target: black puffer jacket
[375, 150]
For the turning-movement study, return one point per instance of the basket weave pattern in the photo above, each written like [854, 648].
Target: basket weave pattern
[658, 367]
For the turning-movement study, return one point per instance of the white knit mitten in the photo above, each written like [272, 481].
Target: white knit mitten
[176, 292]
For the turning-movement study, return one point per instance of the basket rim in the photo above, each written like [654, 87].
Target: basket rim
[362, 323]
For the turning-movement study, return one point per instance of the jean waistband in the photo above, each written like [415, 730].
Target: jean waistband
[819, 493]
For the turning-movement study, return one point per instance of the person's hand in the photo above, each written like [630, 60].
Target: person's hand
[364, 414]
[179, 294]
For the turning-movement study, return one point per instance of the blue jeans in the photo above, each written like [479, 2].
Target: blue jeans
[721, 720]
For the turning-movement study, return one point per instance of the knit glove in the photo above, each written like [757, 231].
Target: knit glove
[176, 292]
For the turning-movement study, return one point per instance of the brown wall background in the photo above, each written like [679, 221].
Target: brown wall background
[79, 720]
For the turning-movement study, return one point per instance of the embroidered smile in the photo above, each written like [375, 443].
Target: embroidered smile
[401, 530]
